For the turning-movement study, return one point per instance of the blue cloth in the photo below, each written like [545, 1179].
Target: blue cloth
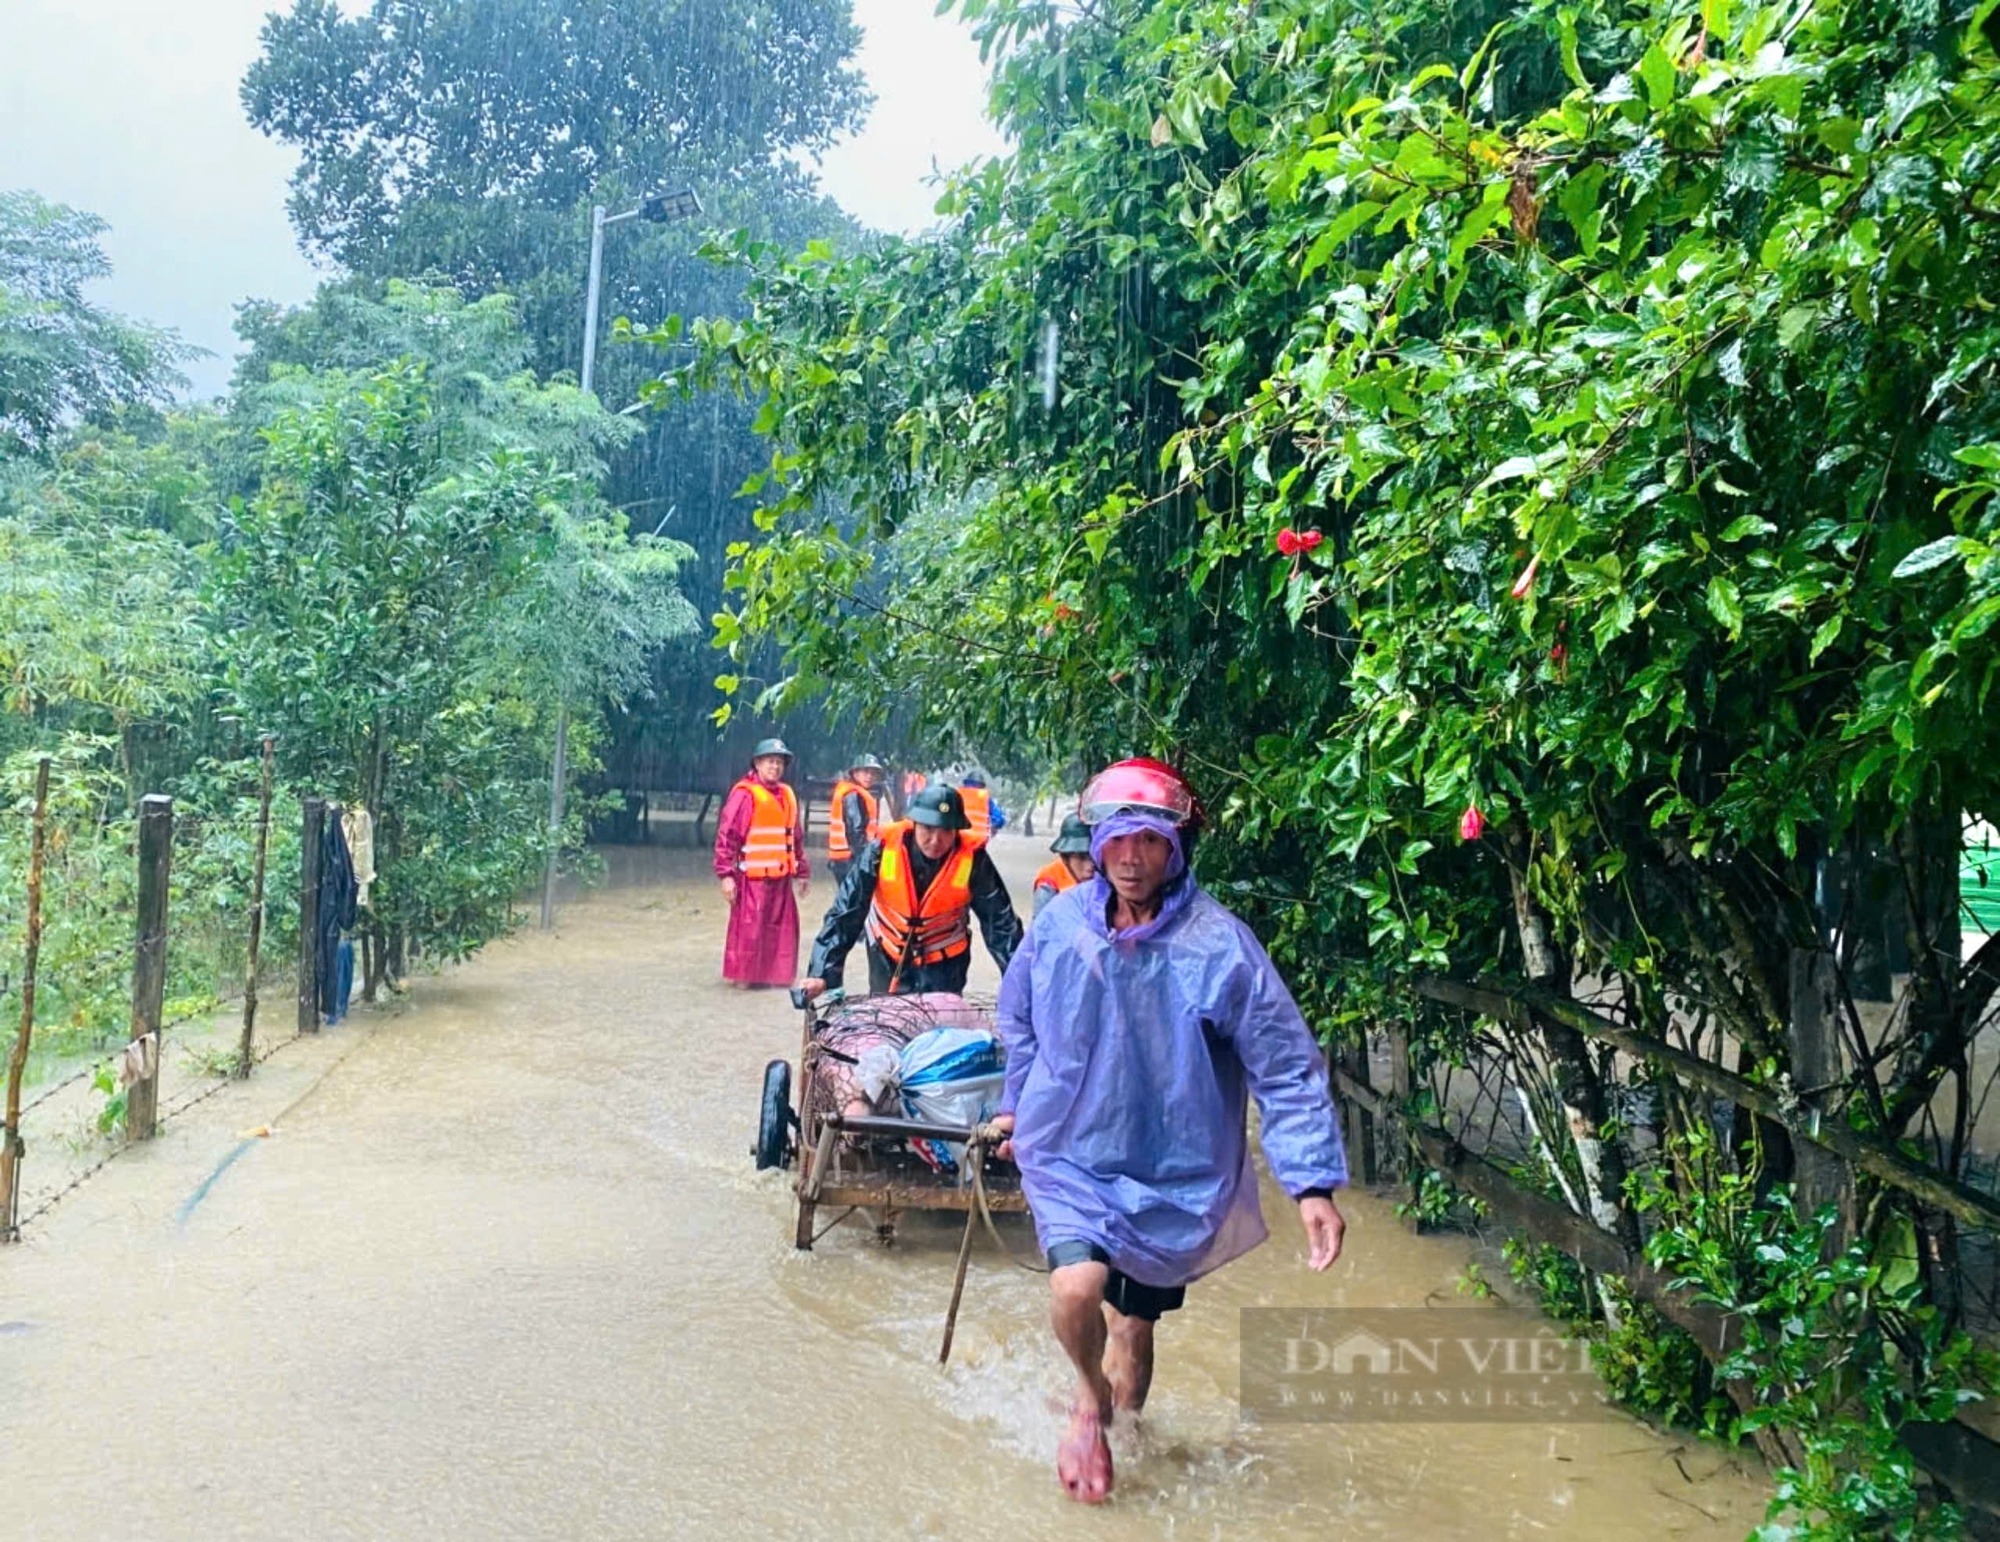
[999, 815]
[343, 980]
[1130, 1061]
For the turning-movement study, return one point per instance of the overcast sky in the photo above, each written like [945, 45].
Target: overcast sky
[128, 108]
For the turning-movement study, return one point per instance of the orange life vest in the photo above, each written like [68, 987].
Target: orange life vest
[979, 809]
[771, 848]
[836, 836]
[928, 928]
[1055, 876]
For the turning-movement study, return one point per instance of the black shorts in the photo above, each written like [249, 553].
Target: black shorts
[1123, 1294]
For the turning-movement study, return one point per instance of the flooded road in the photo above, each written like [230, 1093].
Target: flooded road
[505, 1270]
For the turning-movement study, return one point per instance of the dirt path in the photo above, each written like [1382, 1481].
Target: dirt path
[505, 1270]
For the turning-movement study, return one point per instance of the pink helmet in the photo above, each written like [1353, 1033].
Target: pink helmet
[1144, 786]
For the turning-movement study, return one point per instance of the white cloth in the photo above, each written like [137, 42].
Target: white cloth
[358, 825]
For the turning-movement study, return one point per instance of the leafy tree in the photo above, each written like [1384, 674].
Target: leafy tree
[361, 606]
[417, 103]
[62, 358]
[468, 143]
[99, 630]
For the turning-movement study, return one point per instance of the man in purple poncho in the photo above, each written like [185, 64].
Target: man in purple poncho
[1138, 1017]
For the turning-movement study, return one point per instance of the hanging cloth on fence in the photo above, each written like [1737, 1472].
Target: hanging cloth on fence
[337, 892]
[358, 825]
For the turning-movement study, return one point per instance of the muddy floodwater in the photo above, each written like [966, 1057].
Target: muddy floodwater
[504, 1269]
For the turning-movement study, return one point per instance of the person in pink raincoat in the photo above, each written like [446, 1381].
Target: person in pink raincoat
[760, 859]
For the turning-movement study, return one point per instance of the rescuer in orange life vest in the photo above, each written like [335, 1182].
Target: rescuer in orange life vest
[1072, 865]
[760, 861]
[857, 815]
[987, 818]
[913, 893]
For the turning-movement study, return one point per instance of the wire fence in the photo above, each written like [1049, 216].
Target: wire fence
[133, 1075]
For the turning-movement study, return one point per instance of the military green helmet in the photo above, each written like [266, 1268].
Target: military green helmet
[1073, 840]
[770, 747]
[938, 805]
[867, 763]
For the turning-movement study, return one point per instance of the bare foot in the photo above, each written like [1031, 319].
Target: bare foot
[1083, 1459]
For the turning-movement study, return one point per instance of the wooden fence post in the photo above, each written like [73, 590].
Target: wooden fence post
[11, 1149]
[1359, 1120]
[311, 832]
[149, 959]
[243, 1054]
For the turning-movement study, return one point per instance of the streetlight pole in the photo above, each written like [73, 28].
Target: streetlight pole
[657, 209]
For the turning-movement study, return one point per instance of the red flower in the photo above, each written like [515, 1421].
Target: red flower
[1559, 655]
[1067, 613]
[1288, 543]
[1309, 541]
[1526, 581]
[1471, 824]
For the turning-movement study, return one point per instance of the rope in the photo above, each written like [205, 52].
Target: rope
[986, 1212]
[975, 1161]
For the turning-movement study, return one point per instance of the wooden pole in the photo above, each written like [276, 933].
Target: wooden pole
[11, 1149]
[149, 959]
[311, 830]
[1359, 1116]
[558, 782]
[243, 1054]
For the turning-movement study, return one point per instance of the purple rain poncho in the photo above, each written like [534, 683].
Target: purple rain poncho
[1128, 1065]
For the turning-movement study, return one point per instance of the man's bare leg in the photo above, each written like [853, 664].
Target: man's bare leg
[1076, 1311]
[1128, 1359]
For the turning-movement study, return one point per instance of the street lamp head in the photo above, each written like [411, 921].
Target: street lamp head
[659, 208]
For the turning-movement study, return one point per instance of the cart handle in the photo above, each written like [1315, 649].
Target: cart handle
[898, 1129]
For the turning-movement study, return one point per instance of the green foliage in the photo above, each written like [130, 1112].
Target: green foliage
[413, 589]
[1839, 1344]
[62, 358]
[390, 554]
[526, 113]
[379, 106]
[1647, 1363]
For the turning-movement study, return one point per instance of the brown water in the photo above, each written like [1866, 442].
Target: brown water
[505, 1270]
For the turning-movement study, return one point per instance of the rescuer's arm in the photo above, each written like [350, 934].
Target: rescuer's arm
[845, 918]
[998, 923]
[999, 815]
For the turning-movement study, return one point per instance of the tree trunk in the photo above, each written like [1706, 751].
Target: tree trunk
[1822, 1178]
[1574, 1074]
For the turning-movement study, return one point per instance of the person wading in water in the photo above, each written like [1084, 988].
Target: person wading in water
[1138, 1017]
[914, 893]
[760, 859]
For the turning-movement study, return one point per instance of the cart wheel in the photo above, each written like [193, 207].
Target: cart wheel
[774, 1116]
